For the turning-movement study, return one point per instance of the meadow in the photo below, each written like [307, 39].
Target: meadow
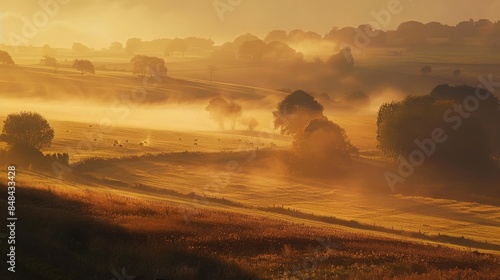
[154, 186]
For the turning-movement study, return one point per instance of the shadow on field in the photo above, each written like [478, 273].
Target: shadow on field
[58, 238]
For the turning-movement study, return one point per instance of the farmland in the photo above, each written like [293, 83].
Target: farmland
[154, 184]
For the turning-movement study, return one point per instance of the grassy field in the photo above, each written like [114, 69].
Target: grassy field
[100, 234]
[155, 187]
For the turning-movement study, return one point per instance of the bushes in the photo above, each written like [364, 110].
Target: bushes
[30, 157]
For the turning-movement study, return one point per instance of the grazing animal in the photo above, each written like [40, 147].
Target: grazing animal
[196, 144]
[195, 140]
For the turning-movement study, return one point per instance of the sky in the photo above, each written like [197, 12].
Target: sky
[97, 23]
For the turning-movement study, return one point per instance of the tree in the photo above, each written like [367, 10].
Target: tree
[211, 69]
[217, 108]
[426, 70]
[342, 62]
[252, 50]
[177, 45]
[148, 65]
[80, 48]
[133, 45]
[250, 122]
[84, 66]
[220, 110]
[233, 113]
[276, 36]
[279, 51]
[27, 130]
[457, 72]
[48, 51]
[296, 111]
[5, 58]
[403, 126]
[116, 46]
[49, 61]
[323, 141]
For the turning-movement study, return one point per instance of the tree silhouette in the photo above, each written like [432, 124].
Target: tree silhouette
[296, 111]
[217, 108]
[323, 141]
[48, 51]
[5, 58]
[84, 66]
[456, 73]
[221, 110]
[276, 36]
[148, 65]
[27, 130]
[233, 113]
[80, 48]
[133, 45]
[342, 62]
[426, 70]
[116, 46]
[406, 127]
[250, 122]
[177, 45]
[49, 61]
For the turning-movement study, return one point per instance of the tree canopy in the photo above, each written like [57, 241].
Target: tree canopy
[319, 144]
[27, 130]
[471, 136]
[148, 65]
[220, 110]
[296, 111]
[84, 66]
[80, 48]
[5, 58]
[49, 61]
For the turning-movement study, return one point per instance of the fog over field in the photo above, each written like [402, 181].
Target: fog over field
[250, 139]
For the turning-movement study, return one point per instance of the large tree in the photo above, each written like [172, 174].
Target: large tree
[5, 58]
[218, 108]
[84, 66]
[133, 45]
[177, 45]
[49, 61]
[27, 130]
[323, 142]
[296, 111]
[80, 48]
[148, 65]
[439, 126]
[320, 145]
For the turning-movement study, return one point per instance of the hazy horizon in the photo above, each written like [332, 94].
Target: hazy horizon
[152, 19]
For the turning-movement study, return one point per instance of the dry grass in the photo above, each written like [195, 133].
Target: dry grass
[96, 231]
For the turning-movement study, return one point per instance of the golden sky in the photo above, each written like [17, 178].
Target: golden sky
[97, 23]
